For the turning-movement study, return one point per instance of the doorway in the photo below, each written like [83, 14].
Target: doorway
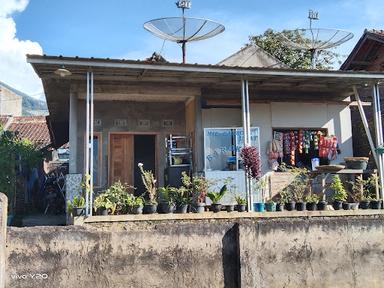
[126, 151]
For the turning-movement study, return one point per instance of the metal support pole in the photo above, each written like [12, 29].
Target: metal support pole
[91, 148]
[365, 124]
[247, 136]
[87, 144]
[379, 134]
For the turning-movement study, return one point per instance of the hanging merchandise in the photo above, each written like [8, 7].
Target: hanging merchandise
[287, 144]
[307, 141]
[274, 152]
[279, 136]
[293, 147]
[300, 144]
[328, 147]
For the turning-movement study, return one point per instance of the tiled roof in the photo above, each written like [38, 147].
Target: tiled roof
[33, 128]
[4, 120]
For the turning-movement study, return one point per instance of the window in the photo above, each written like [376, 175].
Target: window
[222, 147]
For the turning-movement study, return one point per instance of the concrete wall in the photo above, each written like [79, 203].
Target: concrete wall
[109, 111]
[338, 251]
[3, 237]
[10, 103]
[334, 117]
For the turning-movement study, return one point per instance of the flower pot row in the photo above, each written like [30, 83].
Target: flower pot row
[289, 206]
[372, 204]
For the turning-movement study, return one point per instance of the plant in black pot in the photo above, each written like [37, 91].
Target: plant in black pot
[103, 204]
[270, 205]
[165, 201]
[197, 186]
[77, 206]
[311, 201]
[241, 203]
[149, 182]
[215, 197]
[339, 194]
[135, 204]
[180, 197]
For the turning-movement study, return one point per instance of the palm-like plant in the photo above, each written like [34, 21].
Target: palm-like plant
[216, 196]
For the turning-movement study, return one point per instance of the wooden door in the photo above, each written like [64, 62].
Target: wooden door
[121, 159]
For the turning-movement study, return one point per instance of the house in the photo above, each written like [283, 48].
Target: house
[131, 107]
[367, 55]
[10, 100]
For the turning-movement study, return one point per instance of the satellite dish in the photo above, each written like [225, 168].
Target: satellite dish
[315, 39]
[183, 29]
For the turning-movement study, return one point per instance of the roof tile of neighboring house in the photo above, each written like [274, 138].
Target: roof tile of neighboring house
[33, 128]
[4, 120]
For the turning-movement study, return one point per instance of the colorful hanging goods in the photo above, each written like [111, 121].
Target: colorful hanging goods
[287, 144]
[274, 152]
[307, 141]
[293, 147]
[300, 140]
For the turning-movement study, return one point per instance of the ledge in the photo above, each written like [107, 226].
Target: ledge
[225, 215]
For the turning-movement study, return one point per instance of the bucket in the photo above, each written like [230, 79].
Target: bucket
[315, 162]
[259, 207]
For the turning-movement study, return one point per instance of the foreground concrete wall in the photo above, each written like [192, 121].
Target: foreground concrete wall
[3, 237]
[342, 251]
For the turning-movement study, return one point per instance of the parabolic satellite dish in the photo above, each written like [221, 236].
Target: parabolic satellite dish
[183, 29]
[315, 39]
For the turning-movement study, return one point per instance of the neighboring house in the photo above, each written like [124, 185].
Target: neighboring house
[10, 101]
[138, 104]
[367, 55]
[16, 103]
[252, 56]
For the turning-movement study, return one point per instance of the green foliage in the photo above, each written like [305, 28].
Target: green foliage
[297, 188]
[240, 200]
[312, 198]
[149, 182]
[271, 42]
[216, 196]
[339, 193]
[77, 202]
[165, 195]
[15, 153]
[196, 185]
[180, 196]
[363, 190]
[115, 198]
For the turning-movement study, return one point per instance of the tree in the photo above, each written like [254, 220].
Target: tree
[16, 154]
[271, 42]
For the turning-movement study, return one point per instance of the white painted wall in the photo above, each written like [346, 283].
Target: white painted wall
[334, 117]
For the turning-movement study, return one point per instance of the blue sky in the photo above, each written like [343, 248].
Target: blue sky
[114, 28]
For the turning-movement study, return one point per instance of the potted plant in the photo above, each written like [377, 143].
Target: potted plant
[241, 203]
[103, 204]
[181, 198]
[270, 206]
[77, 206]
[376, 203]
[311, 201]
[339, 193]
[356, 162]
[216, 197]
[135, 204]
[165, 201]
[149, 182]
[197, 186]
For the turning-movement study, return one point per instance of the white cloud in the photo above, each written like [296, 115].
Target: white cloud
[14, 70]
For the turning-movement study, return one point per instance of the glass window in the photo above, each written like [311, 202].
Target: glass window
[222, 147]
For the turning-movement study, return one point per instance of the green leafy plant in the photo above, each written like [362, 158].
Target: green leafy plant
[240, 200]
[134, 201]
[115, 198]
[149, 182]
[165, 195]
[77, 202]
[217, 196]
[363, 190]
[197, 187]
[300, 184]
[311, 198]
[103, 202]
[339, 193]
[180, 196]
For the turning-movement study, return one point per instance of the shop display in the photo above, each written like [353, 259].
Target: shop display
[298, 147]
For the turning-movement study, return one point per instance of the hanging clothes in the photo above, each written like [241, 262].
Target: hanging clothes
[328, 147]
[293, 147]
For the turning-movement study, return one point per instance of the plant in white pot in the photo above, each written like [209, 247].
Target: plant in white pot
[149, 182]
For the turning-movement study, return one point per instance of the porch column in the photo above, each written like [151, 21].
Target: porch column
[379, 134]
[247, 135]
[72, 133]
[199, 136]
[89, 143]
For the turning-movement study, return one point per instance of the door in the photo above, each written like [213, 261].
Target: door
[121, 159]
[145, 152]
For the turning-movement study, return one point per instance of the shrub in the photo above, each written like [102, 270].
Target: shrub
[339, 193]
[252, 162]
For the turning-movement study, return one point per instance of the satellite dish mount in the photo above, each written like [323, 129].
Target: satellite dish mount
[183, 29]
